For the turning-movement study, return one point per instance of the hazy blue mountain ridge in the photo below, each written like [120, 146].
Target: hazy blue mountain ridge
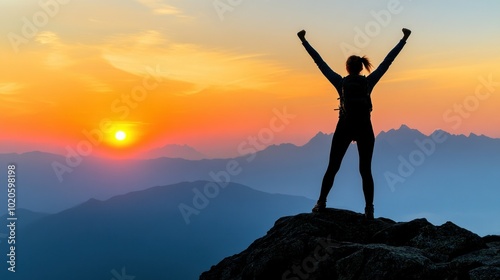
[145, 233]
[455, 179]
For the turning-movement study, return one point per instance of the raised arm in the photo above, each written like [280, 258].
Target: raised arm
[331, 75]
[375, 76]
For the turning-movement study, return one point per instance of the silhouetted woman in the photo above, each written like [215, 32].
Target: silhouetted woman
[352, 126]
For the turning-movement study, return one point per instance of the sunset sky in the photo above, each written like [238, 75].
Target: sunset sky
[211, 74]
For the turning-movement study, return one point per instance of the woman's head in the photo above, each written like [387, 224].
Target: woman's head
[354, 64]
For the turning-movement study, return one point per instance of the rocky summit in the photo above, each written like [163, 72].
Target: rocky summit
[340, 244]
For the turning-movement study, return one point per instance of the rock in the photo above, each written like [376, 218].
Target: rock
[439, 243]
[341, 244]
[379, 261]
[485, 273]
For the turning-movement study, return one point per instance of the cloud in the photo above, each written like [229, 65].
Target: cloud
[95, 84]
[158, 7]
[10, 88]
[56, 56]
[190, 63]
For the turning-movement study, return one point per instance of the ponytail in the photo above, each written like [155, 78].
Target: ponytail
[366, 63]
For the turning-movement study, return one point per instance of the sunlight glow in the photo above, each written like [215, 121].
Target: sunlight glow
[120, 135]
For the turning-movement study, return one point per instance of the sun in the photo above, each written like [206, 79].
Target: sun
[120, 135]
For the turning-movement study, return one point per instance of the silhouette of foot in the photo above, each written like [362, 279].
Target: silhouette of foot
[406, 33]
[319, 207]
[369, 212]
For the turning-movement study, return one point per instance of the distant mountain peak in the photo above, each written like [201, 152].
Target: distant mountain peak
[404, 126]
[403, 132]
[320, 137]
[320, 134]
[481, 136]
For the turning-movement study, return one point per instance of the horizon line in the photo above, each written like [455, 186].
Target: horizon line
[143, 155]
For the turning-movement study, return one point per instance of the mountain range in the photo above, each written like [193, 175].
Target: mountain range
[144, 234]
[439, 176]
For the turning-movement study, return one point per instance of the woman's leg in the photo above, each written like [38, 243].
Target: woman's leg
[340, 143]
[366, 142]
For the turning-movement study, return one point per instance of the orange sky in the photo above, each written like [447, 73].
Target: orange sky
[183, 72]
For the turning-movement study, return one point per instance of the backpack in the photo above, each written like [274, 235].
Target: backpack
[355, 98]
